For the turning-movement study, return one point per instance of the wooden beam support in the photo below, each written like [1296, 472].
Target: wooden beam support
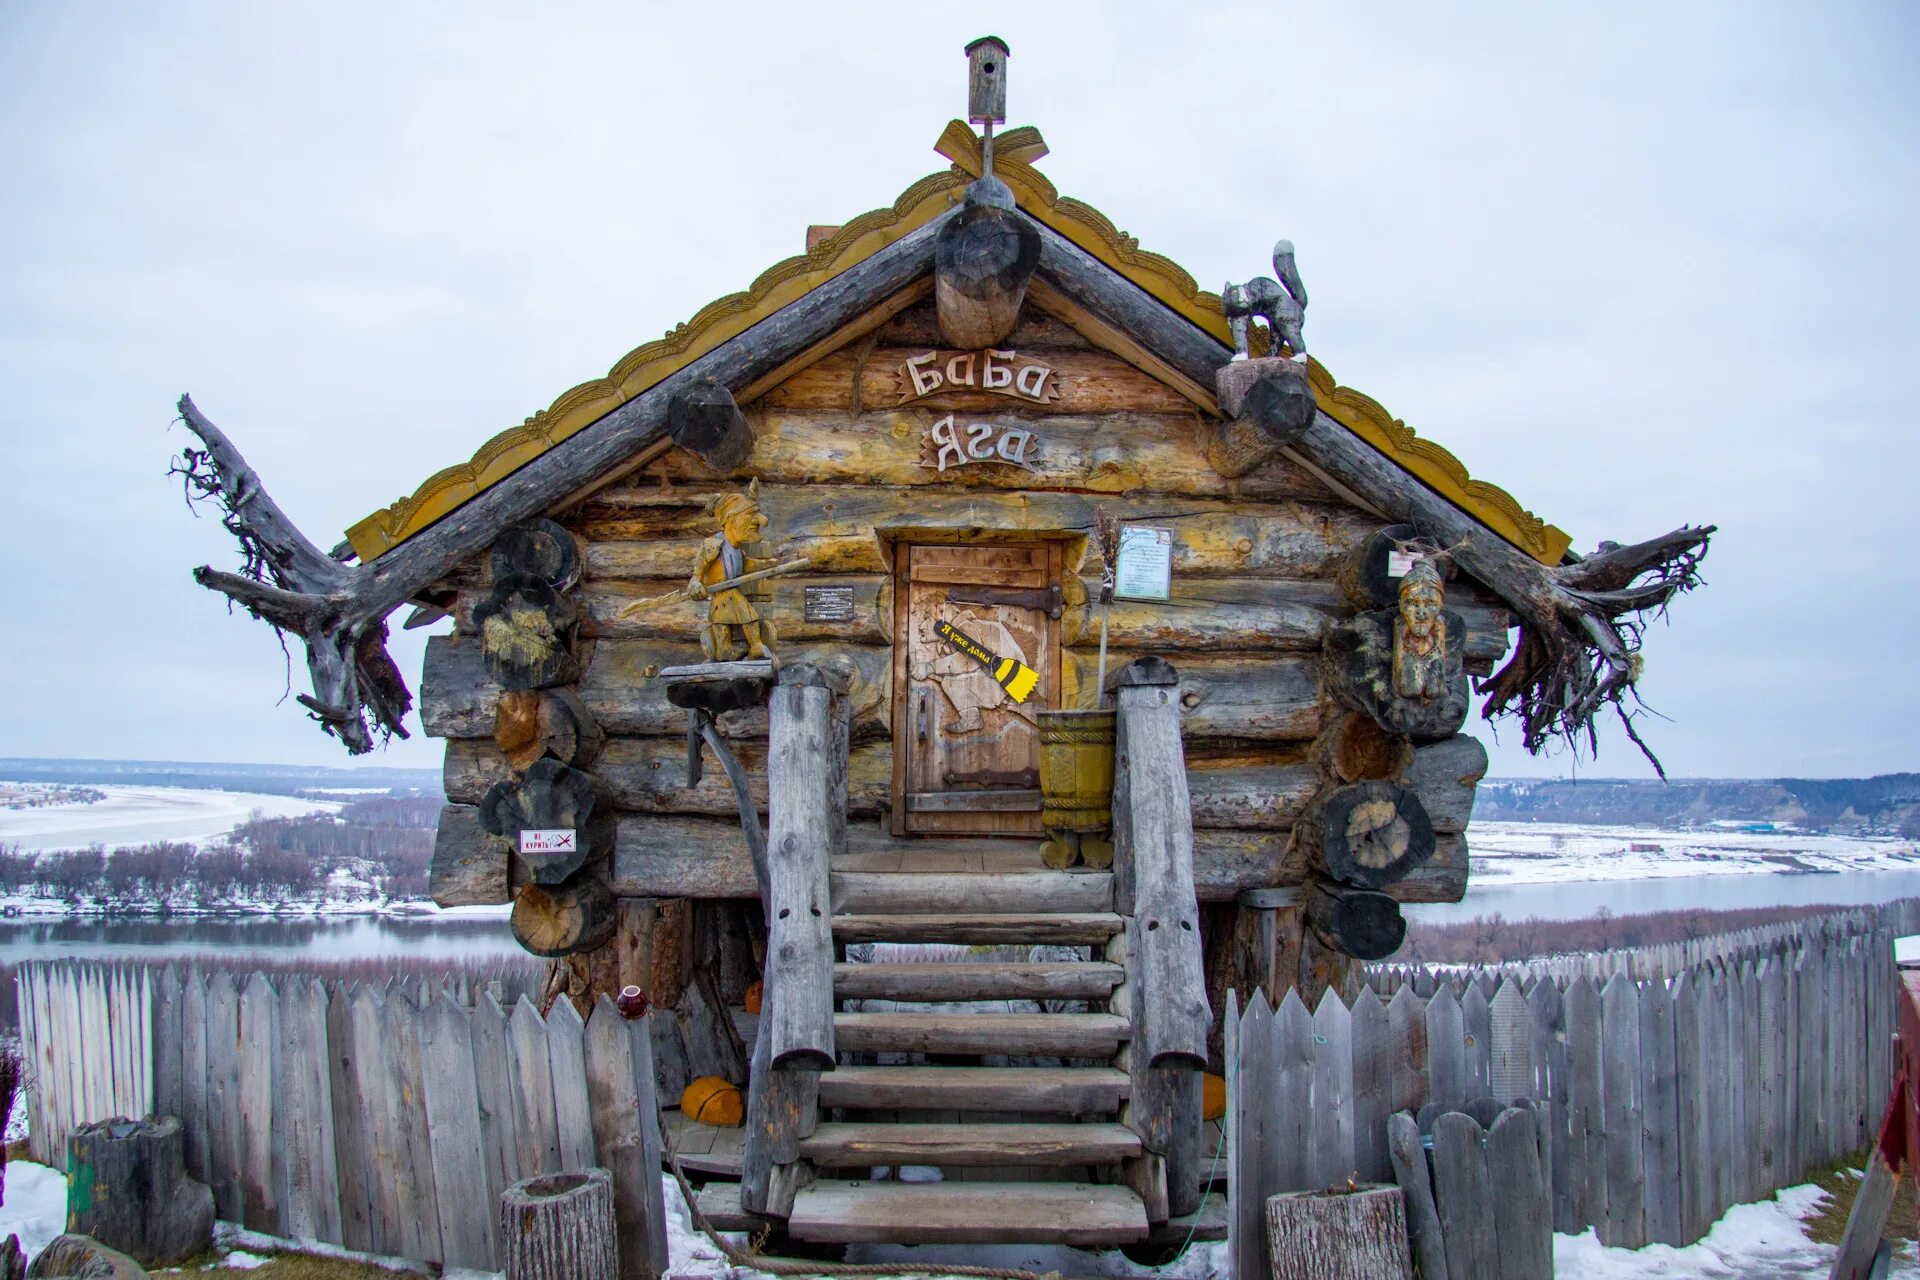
[800, 754]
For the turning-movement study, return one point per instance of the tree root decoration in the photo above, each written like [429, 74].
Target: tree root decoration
[1581, 626]
[289, 583]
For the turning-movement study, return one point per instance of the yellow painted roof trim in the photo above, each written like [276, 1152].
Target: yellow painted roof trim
[1014, 154]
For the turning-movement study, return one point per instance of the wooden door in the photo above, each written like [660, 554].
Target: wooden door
[966, 754]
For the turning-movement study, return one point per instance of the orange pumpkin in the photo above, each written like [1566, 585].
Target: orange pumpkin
[711, 1100]
[752, 1002]
[1213, 1096]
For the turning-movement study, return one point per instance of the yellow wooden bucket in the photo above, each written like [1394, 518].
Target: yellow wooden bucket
[1076, 770]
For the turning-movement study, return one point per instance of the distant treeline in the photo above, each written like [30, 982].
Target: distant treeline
[1495, 939]
[374, 848]
[1886, 805]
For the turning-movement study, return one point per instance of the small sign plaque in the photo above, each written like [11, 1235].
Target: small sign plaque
[549, 840]
[828, 604]
[1145, 569]
[1400, 563]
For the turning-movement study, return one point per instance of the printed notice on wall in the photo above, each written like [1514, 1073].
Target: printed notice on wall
[828, 604]
[548, 840]
[1145, 564]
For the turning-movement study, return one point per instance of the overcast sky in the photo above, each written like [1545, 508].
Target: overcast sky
[1640, 265]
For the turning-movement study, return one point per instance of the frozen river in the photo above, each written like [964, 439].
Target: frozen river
[141, 815]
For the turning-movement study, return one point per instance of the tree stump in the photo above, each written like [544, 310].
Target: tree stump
[559, 1226]
[128, 1188]
[1338, 1235]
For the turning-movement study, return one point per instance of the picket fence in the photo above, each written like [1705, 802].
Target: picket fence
[1666, 1099]
[384, 1118]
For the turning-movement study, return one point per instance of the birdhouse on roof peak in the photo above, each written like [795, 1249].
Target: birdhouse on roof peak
[987, 80]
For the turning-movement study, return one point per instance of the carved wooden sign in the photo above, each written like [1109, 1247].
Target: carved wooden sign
[951, 443]
[1001, 372]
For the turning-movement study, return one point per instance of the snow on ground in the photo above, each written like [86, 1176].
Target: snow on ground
[1765, 1241]
[1544, 852]
[143, 815]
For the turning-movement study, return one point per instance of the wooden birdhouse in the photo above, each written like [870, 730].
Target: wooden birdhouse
[987, 80]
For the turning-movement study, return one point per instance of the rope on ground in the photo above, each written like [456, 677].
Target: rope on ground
[792, 1267]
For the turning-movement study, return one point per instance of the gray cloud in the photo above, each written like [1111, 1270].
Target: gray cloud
[1638, 264]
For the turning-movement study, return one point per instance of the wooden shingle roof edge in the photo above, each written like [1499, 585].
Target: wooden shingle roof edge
[592, 403]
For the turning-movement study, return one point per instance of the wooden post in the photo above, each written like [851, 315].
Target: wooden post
[128, 1188]
[559, 1226]
[800, 753]
[1153, 882]
[1338, 1235]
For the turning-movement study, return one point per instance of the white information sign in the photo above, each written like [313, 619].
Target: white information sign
[1145, 564]
[1400, 563]
[550, 840]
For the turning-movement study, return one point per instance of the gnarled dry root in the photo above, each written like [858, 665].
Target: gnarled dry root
[1580, 631]
[290, 583]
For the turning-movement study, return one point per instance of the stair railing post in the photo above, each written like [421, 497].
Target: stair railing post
[806, 792]
[1153, 885]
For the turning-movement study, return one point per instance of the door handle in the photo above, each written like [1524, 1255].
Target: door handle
[923, 713]
[1048, 600]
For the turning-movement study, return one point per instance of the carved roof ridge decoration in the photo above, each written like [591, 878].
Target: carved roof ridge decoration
[1015, 152]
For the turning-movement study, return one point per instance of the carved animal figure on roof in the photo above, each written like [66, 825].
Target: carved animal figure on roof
[1281, 303]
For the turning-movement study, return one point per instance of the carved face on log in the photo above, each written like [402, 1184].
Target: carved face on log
[1420, 637]
[741, 520]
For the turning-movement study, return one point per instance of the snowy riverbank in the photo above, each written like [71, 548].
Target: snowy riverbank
[1545, 853]
[132, 815]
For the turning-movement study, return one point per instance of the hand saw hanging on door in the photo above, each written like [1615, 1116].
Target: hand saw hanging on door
[1011, 674]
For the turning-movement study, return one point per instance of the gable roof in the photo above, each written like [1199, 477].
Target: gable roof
[869, 235]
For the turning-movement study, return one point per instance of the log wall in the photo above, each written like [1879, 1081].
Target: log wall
[839, 461]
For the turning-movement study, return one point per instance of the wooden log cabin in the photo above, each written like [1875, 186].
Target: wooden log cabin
[950, 411]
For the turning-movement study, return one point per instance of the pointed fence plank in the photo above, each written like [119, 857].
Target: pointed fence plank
[1476, 1025]
[493, 1097]
[1660, 1101]
[1624, 1114]
[1464, 1197]
[1720, 1186]
[1510, 1069]
[1586, 1123]
[461, 1194]
[1332, 1114]
[535, 1131]
[413, 1143]
[193, 1074]
[168, 1092]
[352, 1154]
[1406, 1148]
[1254, 1132]
[1769, 1103]
[566, 1059]
[1547, 1048]
[1293, 1097]
[1373, 1062]
[1446, 1050]
[1407, 1023]
[263, 1165]
[619, 1092]
[1523, 1222]
[223, 1096]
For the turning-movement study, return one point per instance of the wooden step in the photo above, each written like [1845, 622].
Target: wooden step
[967, 981]
[967, 1213]
[841, 1146]
[1073, 1090]
[1064, 1035]
[1066, 929]
[906, 892]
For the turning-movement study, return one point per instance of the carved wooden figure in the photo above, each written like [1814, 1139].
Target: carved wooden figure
[1403, 666]
[735, 629]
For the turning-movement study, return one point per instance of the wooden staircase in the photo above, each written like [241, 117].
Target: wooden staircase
[1002, 1123]
[1082, 1124]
